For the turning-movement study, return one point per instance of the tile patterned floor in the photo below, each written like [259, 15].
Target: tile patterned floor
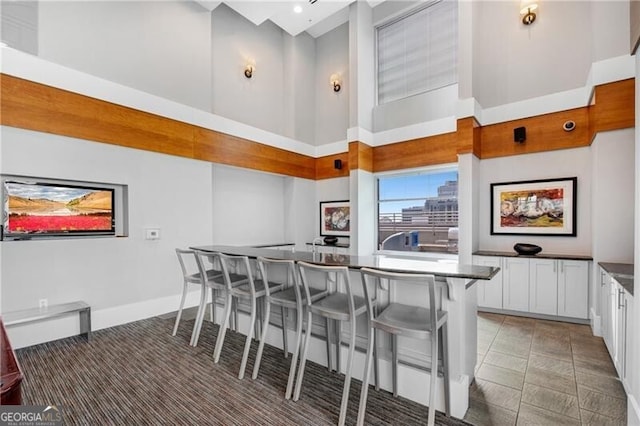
[538, 372]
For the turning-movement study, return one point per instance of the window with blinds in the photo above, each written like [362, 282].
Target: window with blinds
[418, 52]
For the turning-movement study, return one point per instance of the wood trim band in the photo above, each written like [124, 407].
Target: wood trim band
[33, 106]
[613, 107]
[42, 108]
[544, 133]
[360, 156]
[325, 168]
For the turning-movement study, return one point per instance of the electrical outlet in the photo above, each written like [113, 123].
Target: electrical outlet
[152, 234]
[43, 303]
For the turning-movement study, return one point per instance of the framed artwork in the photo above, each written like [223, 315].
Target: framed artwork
[335, 219]
[535, 207]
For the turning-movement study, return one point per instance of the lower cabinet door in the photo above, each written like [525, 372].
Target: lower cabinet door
[543, 286]
[490, 292]
[573, 289]
[515, 289]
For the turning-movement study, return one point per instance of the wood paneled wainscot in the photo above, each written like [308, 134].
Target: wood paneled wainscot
[541, 286]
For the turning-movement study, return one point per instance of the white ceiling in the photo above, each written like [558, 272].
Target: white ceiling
[316, 18]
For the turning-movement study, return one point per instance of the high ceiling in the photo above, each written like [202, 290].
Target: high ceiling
[316, 18]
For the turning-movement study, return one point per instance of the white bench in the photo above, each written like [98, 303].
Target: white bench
[40, 314]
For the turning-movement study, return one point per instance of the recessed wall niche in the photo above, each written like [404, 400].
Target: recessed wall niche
[36, 208]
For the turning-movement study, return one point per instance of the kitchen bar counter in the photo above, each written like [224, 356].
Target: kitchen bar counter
[541, 255]
[392, 263]
[621, 272]
[461, 306]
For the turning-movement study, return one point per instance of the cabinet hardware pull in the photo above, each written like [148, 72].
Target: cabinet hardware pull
[620, 293]
[602, 282]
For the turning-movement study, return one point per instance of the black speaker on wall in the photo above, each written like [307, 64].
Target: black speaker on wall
[337, 164]
[519, 134]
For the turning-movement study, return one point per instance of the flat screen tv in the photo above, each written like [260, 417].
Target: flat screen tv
[42, 209]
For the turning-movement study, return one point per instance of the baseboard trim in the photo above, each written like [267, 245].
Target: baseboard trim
[534, 315]
[596, 323]
[633, 411]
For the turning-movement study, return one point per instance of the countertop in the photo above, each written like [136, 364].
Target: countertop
[541, 255]
[389, 263]
[323, 244]
[621, 272]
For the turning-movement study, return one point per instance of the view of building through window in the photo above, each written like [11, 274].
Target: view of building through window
[418, 212]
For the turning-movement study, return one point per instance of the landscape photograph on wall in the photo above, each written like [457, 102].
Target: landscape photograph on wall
[34, 208]
[543, 207]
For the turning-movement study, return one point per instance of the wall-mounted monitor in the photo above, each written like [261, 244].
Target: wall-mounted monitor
[44, 209]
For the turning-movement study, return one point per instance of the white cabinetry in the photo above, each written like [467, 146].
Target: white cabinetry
[607, 293]
[490, 292]
[616, 311]
[573, 291]
[515, 284]
[545, 286]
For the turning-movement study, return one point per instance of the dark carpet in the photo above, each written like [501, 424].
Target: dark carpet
[138, 374]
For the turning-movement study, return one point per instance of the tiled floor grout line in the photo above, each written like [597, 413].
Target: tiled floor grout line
[544, 332]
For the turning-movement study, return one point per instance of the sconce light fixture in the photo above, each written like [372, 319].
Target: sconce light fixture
[336, 83]
[248, 70]
[527, 8]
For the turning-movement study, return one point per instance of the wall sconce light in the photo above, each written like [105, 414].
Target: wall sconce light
[248, 70]
[526, 10]
[335, 82]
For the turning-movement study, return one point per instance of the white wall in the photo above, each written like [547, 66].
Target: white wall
[546, 165]
[332, 109]
[165, 192]
[607, 41]
[299, 94]
[248, 207]
[633, 400]
[301, 209]
[257, 101]
[612, 206]
[612, 196]
[159, 47]
[424, 107]
[514, 62]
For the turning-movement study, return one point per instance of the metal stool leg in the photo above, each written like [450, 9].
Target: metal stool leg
[434, 378]
[303, 361]
[184, 296]
[329, 329]
[285, 343]
[394, 367]
[199, 317]
[223, 328]
[445, 367]
[365, 378]
[296, 351]
[347, 377]
[247, 343]
[265, 327]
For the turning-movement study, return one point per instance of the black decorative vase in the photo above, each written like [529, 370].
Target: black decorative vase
[527, 249]
[330, 241]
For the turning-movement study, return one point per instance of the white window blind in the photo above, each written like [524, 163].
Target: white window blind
[418, 52]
